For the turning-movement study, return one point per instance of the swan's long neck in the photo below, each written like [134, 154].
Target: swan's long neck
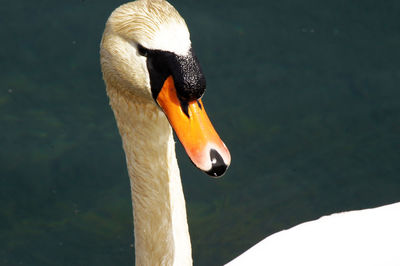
[161, 231]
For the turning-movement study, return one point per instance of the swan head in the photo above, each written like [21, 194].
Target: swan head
[146, 51]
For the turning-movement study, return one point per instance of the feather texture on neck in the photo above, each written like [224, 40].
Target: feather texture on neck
[161, 231]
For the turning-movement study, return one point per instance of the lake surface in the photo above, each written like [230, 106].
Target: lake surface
[304, 93]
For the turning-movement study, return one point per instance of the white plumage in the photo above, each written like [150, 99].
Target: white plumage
[368, 237]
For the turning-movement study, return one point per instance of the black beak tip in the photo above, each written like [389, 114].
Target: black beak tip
[218, 166]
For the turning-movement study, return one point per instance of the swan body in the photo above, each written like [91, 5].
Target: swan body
[368, 237]
[154, 83]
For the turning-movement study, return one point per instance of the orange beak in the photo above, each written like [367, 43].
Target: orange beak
[195, 131]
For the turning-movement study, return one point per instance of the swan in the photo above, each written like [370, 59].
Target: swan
[154, 83]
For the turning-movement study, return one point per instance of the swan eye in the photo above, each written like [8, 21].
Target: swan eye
[142, 51]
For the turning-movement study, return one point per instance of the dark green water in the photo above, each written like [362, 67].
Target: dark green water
[304, 93]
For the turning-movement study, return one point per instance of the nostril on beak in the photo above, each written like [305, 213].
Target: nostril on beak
[218, 166]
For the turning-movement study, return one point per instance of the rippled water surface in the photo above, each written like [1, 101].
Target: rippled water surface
[305, 94]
